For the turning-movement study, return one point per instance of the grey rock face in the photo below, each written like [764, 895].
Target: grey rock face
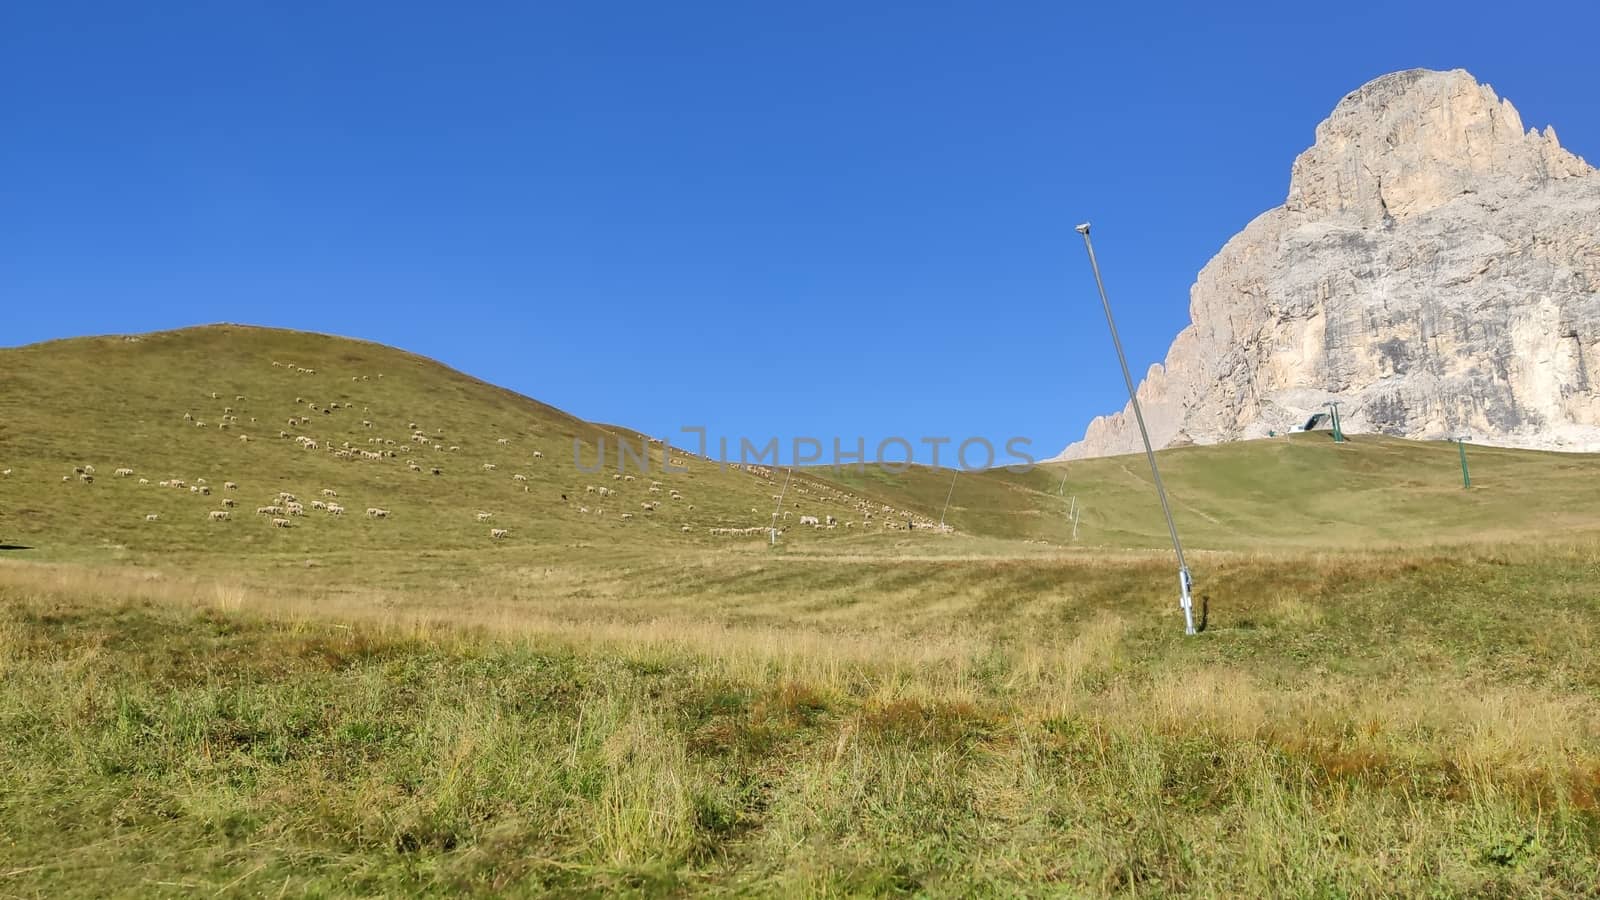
[1435, 270]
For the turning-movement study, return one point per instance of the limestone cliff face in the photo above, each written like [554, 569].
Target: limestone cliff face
[1435, 270]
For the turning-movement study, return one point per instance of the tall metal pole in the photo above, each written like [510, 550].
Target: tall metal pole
[1338, 429]
[947, 498]
[781, 495]
[1461, 445]
[1185, 583]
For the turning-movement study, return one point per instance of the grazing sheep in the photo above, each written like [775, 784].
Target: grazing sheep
[809, 520]
[120, 473]
[377, 512]
[329, 492]
[318, 504]
[86, 478]
[269, 510]
[603, 491]
[502, 440]
[627, 515]
[484, 517]
[219, 515]
[685, 528]
[141, 481]
[335, 509]
[831, 521]
[188, 417]
[230, 485]
[627, 478]
[437, 471]
[655, 489]
[151, 517]
[488, 467]
[229, 502]
[498, 533]
[280, 523]
[538, 454]
[519, 477]
[296, 509]
[584, 510]
[454, 449]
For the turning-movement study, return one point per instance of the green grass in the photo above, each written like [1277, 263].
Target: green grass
[1398, 691]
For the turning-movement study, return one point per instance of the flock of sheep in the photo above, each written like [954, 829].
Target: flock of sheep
[283, 509]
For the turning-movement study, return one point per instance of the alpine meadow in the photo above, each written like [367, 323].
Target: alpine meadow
[824, 450]
[1394, 691]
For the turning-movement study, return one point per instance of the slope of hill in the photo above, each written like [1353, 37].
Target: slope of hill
[279, 411]
[1302, 491]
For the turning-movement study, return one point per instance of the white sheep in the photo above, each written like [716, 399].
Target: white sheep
[502, 440]
[498, 533]
[335, 509]
[519, 477]
[230, 485]
[229, 502]
[488, 467]
[123, 472]
[151, 517]
[809, 520]
[141, 481]
[219, 515]
[484, 517]
[280, 523]
[377, 512]
[318, 504]
[329, 492]
[538, 454]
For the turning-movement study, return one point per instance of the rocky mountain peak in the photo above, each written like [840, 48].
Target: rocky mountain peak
[1435, 269]
[1408, 142]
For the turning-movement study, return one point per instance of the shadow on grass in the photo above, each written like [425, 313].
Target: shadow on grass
[14, 547]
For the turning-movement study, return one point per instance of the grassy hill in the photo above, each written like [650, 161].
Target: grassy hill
[1301, 491]
[229, 404]
[1396, 694]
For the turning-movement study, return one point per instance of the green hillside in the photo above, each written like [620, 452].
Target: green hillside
[238, 404]
[1302, 491]
[230, 403]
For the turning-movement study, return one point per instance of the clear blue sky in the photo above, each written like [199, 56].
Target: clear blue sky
[769, 219]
